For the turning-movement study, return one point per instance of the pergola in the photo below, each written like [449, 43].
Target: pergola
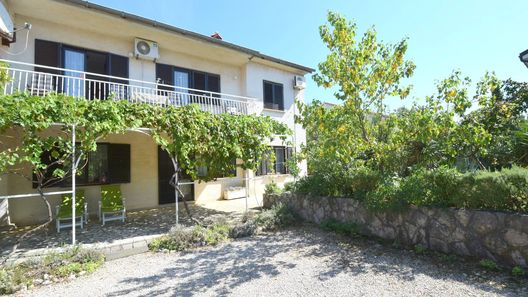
[74, 167]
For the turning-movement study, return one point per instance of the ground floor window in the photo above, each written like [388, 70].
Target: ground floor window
[110, 163]
[278, 165]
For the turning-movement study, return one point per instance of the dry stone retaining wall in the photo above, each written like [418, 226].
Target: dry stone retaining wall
[502, 237]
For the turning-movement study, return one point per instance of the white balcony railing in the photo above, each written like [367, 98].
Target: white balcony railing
[41, 80]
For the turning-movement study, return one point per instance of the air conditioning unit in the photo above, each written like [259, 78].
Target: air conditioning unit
[299, 82]
[146, 49]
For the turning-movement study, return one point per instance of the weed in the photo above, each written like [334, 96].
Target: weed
[420, 249]
[489, 264]
[518, 271]
[344, 228]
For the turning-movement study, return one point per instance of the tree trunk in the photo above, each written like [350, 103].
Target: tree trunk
[39, 227]
[174, 183]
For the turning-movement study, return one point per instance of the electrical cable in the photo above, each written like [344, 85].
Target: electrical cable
[20, 52]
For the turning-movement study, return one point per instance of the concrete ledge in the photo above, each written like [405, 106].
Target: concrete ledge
[114, 250]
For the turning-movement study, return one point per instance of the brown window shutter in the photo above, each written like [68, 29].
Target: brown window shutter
[118, 66]
[47, 53]
[119, 163]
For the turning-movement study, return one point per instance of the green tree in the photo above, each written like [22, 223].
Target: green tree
[365, 72]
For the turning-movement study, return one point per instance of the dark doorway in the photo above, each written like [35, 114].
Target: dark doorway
[165, 172]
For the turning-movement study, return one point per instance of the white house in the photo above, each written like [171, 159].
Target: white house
[88, 50]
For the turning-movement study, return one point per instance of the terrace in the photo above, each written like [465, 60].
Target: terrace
[40, 80]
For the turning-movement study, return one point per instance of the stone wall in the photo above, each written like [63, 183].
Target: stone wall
[502, 237]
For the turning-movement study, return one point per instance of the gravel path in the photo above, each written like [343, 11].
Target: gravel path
[298, 262]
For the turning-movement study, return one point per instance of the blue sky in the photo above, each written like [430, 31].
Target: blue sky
[473, 36]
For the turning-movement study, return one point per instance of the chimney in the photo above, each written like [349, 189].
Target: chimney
[216, 35]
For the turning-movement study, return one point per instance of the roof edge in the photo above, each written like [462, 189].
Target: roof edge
[173, 29]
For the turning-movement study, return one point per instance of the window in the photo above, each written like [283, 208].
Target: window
[278, 166]
[182, 78]
[59, 55]
[110, 163]
[273, 95]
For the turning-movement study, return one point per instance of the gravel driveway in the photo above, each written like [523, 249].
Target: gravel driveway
[299, 262]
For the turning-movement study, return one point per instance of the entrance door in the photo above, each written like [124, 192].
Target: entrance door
[165, 172]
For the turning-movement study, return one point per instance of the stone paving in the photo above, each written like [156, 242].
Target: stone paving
[139, 225]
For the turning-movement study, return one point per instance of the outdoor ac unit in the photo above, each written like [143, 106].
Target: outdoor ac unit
[146, 49]
[299, 82]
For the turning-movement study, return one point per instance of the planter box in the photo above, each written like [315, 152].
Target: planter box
[234, 193]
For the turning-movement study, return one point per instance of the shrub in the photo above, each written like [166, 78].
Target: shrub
[59, 265]
[505, 190]
[500, 190]
[181, 238]
[244, 229]
[277, 217]
[272, 189]
[6, 281]
[289, 187]
[343, 228]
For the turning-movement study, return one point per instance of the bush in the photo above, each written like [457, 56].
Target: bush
[272, 189]
[505, 190]
[56, 265]
[343, 228]
[6, 281]
[182, 238]
[289, 187]
[279, 216]
[354, 183]
[500, 190]
[245, 229]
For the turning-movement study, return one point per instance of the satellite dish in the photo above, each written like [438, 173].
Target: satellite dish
[143, 47]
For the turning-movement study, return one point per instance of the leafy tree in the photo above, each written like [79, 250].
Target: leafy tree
[365, 72]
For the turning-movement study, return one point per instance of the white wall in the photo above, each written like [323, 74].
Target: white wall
[255, 75]
[239, 73]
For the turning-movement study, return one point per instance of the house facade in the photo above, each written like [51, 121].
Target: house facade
[95, 52]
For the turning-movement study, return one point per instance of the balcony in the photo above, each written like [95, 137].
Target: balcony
[40, 80]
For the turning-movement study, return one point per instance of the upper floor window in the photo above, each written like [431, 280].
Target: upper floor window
[76, 61]
[181, 79]
[273, 95]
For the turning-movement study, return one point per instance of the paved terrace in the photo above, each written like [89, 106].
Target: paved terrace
[116, 238]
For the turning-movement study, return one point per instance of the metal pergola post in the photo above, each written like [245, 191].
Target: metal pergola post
[74, 175]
